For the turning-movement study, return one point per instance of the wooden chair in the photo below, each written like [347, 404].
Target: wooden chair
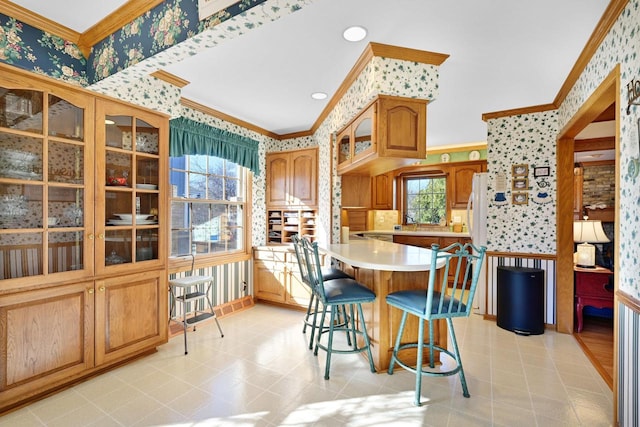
[431, 304]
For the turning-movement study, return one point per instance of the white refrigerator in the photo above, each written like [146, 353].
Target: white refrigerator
[477, 220]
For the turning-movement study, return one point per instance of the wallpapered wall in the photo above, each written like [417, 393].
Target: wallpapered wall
[522, 140]
[620, 46]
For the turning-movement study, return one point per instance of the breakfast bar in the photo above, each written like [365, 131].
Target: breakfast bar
[386, 267]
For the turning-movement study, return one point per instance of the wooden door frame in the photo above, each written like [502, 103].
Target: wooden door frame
[606, 94]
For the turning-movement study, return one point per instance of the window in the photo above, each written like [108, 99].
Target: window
[207, 205]
[425, 199]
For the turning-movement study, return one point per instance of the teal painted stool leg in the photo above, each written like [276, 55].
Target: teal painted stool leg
[454, 343]
[366, 339]
[419, 361]
[330, 342]
[397, 346]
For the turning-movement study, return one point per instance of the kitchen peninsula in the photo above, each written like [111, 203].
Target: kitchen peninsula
[386, 267]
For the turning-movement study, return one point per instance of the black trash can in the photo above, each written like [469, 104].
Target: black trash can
[520, 294]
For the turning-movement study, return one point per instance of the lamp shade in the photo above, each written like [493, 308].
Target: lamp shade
[589, 231]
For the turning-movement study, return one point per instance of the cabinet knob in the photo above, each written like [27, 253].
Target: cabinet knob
[101, 288]
[90, 290]
[90, 236]
[101, 236]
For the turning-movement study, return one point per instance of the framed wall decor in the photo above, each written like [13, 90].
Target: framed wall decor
[520, 198]
[520, 184]
[520, 170]
[541, 171]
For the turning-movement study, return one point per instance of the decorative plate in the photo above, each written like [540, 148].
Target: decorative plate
[474, 155]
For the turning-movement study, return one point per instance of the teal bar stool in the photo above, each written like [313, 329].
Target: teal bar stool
[333, 294]
[431, 304]
[310, 318]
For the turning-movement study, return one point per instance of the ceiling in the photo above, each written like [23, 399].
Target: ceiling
[504, 54]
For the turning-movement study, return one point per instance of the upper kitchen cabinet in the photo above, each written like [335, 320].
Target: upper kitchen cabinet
[460, 180]
[292, 178]
[387, 134]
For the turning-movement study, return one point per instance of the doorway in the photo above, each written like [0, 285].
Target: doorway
[606, 95]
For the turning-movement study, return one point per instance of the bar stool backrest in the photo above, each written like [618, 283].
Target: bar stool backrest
[314, 267]
[462, 263]
[302, 263]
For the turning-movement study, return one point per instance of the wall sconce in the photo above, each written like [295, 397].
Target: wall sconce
[587, 232]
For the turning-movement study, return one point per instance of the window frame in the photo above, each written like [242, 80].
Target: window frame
[182, 261]
[418, 174]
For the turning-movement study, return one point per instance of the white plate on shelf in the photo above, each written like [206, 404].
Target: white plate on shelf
[147, 186]
[128, 222]
[129, 217]
[119, 222]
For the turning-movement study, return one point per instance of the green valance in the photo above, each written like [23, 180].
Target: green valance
[190, 137]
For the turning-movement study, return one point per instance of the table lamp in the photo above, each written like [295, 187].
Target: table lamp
[587, 232]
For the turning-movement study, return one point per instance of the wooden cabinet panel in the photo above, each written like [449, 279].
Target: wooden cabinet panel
[277, 179]
[420, 241]
[402, 127]
[269, 281]
[277, 276]
[303, 177]
[292, 178]
[46, 338]
[131, 314]
[461, 181]
[396, 138]
[382, 191]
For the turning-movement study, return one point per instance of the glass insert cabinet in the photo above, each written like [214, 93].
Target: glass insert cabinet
[83, 252]
[69, 200]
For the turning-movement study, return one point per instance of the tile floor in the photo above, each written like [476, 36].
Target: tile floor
[262, 374]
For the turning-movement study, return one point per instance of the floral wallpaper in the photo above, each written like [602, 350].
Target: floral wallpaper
[162, 27]
[133, 41]
[529, 140]
[620, 46]
[40, 52]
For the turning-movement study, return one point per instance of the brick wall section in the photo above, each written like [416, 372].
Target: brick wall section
[599, 185]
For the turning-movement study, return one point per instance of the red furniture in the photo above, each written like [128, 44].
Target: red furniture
[591, 289]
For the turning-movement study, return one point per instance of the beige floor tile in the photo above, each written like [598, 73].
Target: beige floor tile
[262, 374]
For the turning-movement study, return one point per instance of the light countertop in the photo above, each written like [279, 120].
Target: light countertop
[380, 255]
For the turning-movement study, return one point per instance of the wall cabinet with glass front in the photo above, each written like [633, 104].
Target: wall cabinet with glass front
[386, 135]
[61, 296]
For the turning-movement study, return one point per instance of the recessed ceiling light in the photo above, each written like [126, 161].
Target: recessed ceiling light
[354, 33]
[319, 95]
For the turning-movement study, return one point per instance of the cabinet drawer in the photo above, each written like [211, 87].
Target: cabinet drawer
[270, 255]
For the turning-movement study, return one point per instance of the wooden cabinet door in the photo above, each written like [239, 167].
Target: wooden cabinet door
[462, 178]
[382, 191]
[277, 179]
[131, 314]
[269, 281]
[46, 338]
[298, 292]
[402, 128]
[303, 177]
